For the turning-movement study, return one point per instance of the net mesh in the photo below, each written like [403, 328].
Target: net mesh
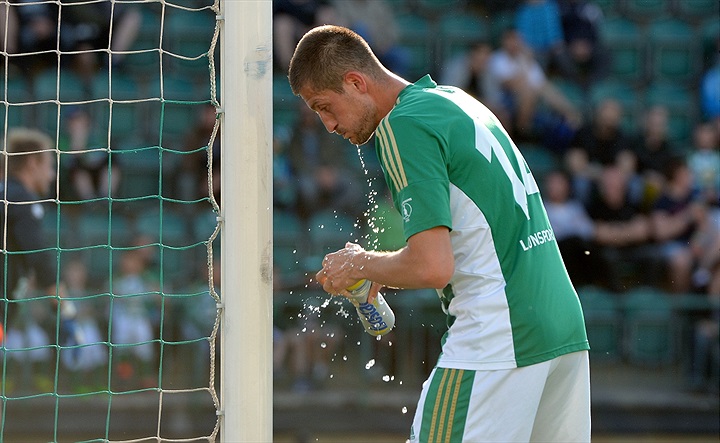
[125, 351]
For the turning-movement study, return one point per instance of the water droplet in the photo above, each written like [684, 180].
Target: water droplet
[404, 409]
[344, 357]
[323, 345]
[370, 363]
[386, 378]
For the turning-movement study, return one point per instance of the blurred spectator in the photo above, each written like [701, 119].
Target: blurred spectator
[86, 27]
[621, 230]
[518, 84]
[291, 19]
[91, 173]
[284, 189]
[581, 23]
[573, 228]
[468, 70]
[9, 28]
[131, 318]
[710, 94]
[192, 180]
[675, 218]
[374, 20]
[653, 150]
[83, 26]
[84, 360]
[36, 31]
[704, 162]
[540, 25]
[320, 163]
[598, 143]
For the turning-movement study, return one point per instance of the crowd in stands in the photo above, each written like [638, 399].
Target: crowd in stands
[632, 185]
[631, 181]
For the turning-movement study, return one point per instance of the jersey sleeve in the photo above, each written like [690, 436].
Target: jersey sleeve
[414, 161]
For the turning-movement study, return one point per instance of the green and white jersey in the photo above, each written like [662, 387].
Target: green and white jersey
[449, 162]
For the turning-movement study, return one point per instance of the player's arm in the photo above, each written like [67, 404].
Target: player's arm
[426, 262]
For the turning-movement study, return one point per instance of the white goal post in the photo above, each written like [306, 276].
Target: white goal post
[246, 212]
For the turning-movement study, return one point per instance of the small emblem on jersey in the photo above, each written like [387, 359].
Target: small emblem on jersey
[37, 211]
[406, 209]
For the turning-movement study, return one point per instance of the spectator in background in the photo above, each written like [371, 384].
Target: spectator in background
[676, 216]
[621, 230]
[704, 162]
[518, 84]
[191, 182]
[320, 163]
[540, 25]
[36, 32]
[710, 93]
[468, 70]
[86, 27]
[291, 19]
[573, 229]
[131, 317]
[374, 20]
[653, 151]
[597, 144]
[581, 23]
[91, 172]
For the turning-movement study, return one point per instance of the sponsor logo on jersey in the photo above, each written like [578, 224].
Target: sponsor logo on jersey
[537, 239]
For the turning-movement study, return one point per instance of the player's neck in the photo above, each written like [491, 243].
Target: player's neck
[387, 90]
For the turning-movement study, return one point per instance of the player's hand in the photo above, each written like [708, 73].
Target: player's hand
[339, 272]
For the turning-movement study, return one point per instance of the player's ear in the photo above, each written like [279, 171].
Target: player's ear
[356, 80]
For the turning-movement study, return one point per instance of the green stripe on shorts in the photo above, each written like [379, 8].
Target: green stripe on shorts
[446, 406]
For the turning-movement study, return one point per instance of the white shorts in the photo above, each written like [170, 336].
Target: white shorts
[545, 402]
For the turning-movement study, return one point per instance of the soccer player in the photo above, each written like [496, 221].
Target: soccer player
[514, 362]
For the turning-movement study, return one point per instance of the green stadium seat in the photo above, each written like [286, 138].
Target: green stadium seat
[71, 86]
[458, 31]
[146, 64]
[285, 103]
[416, 34]
[125, 116]
[189, 32]
[434, 7]
[650, 327]
[140, 172]
[540, 160]
[681, 104]
[603, 322]
[698, 9]
[17, 92]
[572, 91]
[609, 8]
[674, 50]
[626, 43]
[173, 229]
[646, 10]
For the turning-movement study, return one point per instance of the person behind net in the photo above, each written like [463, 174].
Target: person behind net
[29, 262]
[514, 362]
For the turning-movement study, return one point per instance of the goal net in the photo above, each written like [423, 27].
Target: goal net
[124, 347]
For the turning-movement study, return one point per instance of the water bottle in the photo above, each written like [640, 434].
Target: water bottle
[376, 317]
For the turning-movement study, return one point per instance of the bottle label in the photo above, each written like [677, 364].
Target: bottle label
[373, 317]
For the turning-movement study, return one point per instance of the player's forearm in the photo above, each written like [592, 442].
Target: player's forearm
[426, 262]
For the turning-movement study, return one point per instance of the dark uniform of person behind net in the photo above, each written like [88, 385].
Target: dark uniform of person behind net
[29, 263]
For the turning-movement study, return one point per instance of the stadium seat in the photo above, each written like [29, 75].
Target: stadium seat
[681, 105]
[145, 64]
[698, 9]
[125, 116]
[710, 34]
[458, 31]
[417, 36]
[173, 230]
[674, 50]
[71, 86]
[572, 91]
[650, 327]
[434, 7]
[140, 169]
[626, 44]
[603, 321]
[289, 249]
[189, 33]
[285, 103]
[645, 10]
[17, 92]
[540, 160]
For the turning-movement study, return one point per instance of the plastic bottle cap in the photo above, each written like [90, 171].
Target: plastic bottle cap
[356, 285]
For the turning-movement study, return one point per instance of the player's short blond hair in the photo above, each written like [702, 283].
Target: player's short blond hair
[325, 54]
[23, 143]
